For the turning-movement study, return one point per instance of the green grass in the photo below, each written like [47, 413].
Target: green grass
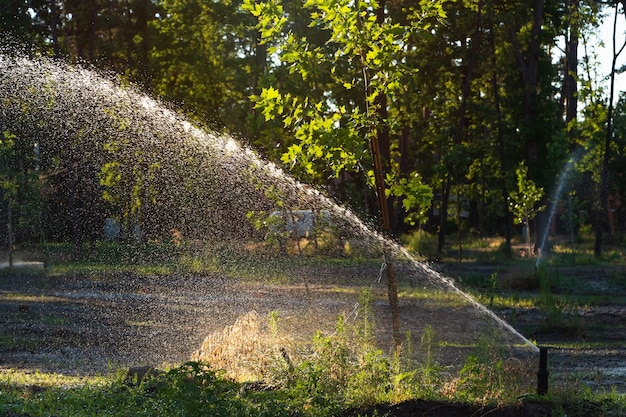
[328, 383]
[229, 261]
[338, 372]
[11, 341]
[188, 390]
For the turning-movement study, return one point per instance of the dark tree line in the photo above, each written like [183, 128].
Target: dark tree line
[460, 96]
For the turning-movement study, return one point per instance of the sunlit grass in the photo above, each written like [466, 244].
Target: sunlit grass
[29, 298]
[25, 378]
[586, 344]
[93, 268]
[511, 301]
[441, 298]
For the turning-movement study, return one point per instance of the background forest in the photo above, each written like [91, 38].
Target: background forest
[475, 106]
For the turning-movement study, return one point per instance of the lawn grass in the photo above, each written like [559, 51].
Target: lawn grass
[343, 371]
[325, 386]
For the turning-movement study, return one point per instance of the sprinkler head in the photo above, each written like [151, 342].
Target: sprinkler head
[542, 373]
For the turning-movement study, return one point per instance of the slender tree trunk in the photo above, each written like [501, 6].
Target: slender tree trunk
[443, 214]
[92, 30]
[54, 28]
[458, 219]
[384, 139]
[259, 69]
[529, 70]
[462, 122]
[508, 218]
[602, 210]
[570, 85]
[528, 62]
[380, 149]
[142, 16]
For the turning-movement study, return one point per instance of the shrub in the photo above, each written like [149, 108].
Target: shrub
[421, 243]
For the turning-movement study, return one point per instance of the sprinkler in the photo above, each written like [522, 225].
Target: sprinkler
[542, 373]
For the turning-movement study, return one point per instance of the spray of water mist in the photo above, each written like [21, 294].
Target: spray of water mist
[206, 181]
[563, 178]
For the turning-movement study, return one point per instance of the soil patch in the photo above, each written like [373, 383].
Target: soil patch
[96, 323]
[581, 316]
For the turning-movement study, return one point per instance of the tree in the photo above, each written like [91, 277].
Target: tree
[602, 209]
[368, 56]
[361, 61]
[8, 188]
[18, 190]
[201, 60]
[524, 201]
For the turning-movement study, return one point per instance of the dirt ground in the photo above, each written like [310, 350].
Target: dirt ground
[91, 323]
[585, 336]
[96, 323]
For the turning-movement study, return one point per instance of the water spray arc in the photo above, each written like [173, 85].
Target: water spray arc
[563, 178]
[66, 107]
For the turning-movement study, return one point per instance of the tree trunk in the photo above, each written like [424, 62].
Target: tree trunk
[443, 214]
[54, 28]
[142, 16]
[84, 16]
[602, 209]
[458, 219]
[381, 154]
[462, 122]
[529, 71]
[508, 218]
[570, 85]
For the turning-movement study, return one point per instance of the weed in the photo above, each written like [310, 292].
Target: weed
[273, 323]
[493, 281]
[422, 243]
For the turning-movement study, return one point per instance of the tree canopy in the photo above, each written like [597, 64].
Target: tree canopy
[456, 94]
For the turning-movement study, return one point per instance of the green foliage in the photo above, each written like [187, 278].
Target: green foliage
[360, 53]
[193, 73]
[416, 197]
[188, 390]
[486, 377]
[449, 72]
[275, 227]
[421, 243]
[493, 284]
[19, 187]
[8, 183]
[347, 368]
[524, 200]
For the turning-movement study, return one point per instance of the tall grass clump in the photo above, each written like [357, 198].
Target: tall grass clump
[487, 377]
[421, 243]
[348, 369]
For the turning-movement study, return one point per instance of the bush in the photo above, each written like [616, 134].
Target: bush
[421, 243]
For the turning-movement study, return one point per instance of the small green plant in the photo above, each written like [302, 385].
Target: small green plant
[493, 285]
[429, 370]
[421, 243]
[523, 201]
[548, 279]
[486, 377]
[275, 228]
[273, 323]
